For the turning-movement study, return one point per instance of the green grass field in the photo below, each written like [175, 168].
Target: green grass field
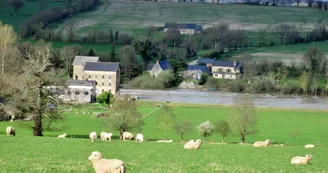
[25, 153]
[135, 17]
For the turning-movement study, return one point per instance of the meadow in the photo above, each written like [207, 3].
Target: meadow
[25, 153]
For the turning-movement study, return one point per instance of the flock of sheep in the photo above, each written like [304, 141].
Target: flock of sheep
[118, 166]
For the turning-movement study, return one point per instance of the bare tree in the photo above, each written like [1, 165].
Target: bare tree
[243, 117]
[128, 62]
[173, 36]
[206, 129]
[39, 75]
[8, 39]
[124, 115]
[166, 119]
[68, 53]
[262, 37]
[183, 127]
[282, 31]
[70, 28]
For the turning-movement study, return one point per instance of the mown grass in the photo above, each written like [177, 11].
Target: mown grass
[25, 153]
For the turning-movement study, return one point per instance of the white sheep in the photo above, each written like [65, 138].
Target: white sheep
[127, 135]
[106, 165]
[139, 137]
[106, 136]
[193, 144]
[301, 160]
[309, 146]
[265, 143]
[62, 136]
[93, 136]
[10, 131]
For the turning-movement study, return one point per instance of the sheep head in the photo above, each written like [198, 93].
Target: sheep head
[308, 157]
[268, 141]
[96, 155]
[199, 141]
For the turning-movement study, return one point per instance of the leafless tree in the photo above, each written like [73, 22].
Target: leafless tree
[243, 117]
[70, 28]
[282, 31]
[173, 36]
[166, 119]
[8, 39]
[68, 53]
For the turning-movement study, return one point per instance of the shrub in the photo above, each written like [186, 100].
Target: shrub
[105, 98]
[206, 129]
[165, 79]
[290, 87]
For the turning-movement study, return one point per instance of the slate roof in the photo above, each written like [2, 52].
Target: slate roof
[81, 82]
[223, 63]
[202, 68]
[183, 26]
[101, 66]
[150, 66]
[79, 60]
[205, 61]
[165, 65]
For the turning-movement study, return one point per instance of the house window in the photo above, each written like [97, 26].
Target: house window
[110, 76]
[110, 84]
[89, 76]
[96, 77]
[228, 70]
[103, 84]
[77, 92]
[86, 93]
[69, 92]
[76, 78]
[102, 90]
[103, 77]
[220, 70]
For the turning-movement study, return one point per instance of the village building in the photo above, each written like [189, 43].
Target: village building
[158, 67]
[226, 69]
[188, 28]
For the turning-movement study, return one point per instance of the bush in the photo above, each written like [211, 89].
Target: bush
[105, 98]
[165, 79]
[290, 87]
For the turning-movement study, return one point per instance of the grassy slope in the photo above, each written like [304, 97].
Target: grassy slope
[23, 152]
[134, 17]
[29, 9]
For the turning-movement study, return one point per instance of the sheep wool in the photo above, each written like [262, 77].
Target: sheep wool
[93, 136]
[139, 137]
[10, 131]
[106, 136]
[127, 135]
[309, 146]
[106, 165]
[62, 136]
[301, 160]
[193, 144]
[264, 144]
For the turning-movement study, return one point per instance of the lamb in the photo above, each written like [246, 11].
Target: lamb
[127, 135]
[10, 131]
[106, 165]
[106, 136]
[264, 144]
[301, 160]
[193, 144]
[309, 146]
[93, 136]
[62, 136]
[139, 137]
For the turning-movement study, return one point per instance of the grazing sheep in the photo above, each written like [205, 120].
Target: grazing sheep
[106, 165]
[309, 146]
[10, 131]
[193, 144]
[301, 160]
[62, 136]
[265, 143]
[93, 136]
[139, 137]
[106, 136]
[127, 135]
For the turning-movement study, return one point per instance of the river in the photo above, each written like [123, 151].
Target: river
[224, 98]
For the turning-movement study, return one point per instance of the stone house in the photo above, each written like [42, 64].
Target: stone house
[205, 61]
[80, 91]
[195, 71]
[78, 65]
[187, 28]
[226, 69]
[106, 74]
[158, 67]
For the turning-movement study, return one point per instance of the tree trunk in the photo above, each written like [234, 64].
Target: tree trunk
[243, 138]
[121, 134]
[165, 133]
[182, 136]
[38, 121]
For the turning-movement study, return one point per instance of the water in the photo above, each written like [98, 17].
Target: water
[205, 97]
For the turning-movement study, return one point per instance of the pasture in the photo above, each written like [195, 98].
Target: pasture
[294, 128]
[134, 17]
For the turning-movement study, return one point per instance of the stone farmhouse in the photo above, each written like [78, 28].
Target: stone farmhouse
[158, 67]
[105, 74]
[188, 28]
[195, 71]
[80, 91]
[226, 69]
